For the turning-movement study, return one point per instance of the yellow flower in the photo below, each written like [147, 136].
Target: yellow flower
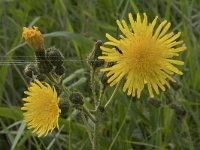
[33, 37]
[143, 56]
[42, 111]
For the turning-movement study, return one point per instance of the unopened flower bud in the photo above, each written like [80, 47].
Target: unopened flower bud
[101, 108]
[156, 103]
[40, 55]
[40, 77]
[93, 57]
[34, 38]
[59, 70]
[76, 98]
[54, 56]
[179, 110]
[44, 67]
[64, 106]
[110, 64]
[104, 79]
[175, 85]
[30, 70]
[58, 90]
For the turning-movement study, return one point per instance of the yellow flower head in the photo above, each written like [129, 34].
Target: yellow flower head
[42, 111]
[33, 37]
[143, 55]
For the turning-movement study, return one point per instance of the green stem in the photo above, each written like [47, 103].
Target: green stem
[70, 136]
[93, 87]
[95, 137]
[85, 109]
[66, 91]
[87, 128]
[112, 96]
[100, 98]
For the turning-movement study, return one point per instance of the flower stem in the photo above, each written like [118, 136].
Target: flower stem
[87, 128]
[93, 87]
[95, 137]
[112, 96]
[100, 98]
[85, 109]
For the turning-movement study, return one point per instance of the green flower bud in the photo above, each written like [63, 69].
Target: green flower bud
[44, 67]
[54, 56]
[30, 70]
[93, 57]
[40, 55]
[58, 90]
[59, 70]
[103, 79]
[156, 103]
[40, 77]
[76, 98]
[101, 108]
[179, 110]
[175, 85]
[64, 106]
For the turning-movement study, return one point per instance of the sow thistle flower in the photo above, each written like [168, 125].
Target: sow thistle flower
[42, 111]
[143, 55]
[34, 38]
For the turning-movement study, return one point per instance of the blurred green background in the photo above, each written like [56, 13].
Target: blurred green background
[74, 26]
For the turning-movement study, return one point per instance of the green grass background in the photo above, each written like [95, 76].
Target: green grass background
[74, 26]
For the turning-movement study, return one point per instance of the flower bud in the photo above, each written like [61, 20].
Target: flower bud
[175, 85]
[34, 38]
[103, 79]
[179, 110]
[64, 106]
[54, 56]
[30, 70]
[40, 55]
[156, 103]
[93, 57]
[59, 70]
[40, 77]
[101, 108]
[44, 67]
[76, 98]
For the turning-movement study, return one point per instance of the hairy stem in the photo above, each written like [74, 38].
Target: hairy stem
[85, 109]
[87, 128]
[112, 96]
[93, 87]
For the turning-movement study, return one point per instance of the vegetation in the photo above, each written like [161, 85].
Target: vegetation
[172, 122]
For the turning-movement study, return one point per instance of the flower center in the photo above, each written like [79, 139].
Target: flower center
[141, 53]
